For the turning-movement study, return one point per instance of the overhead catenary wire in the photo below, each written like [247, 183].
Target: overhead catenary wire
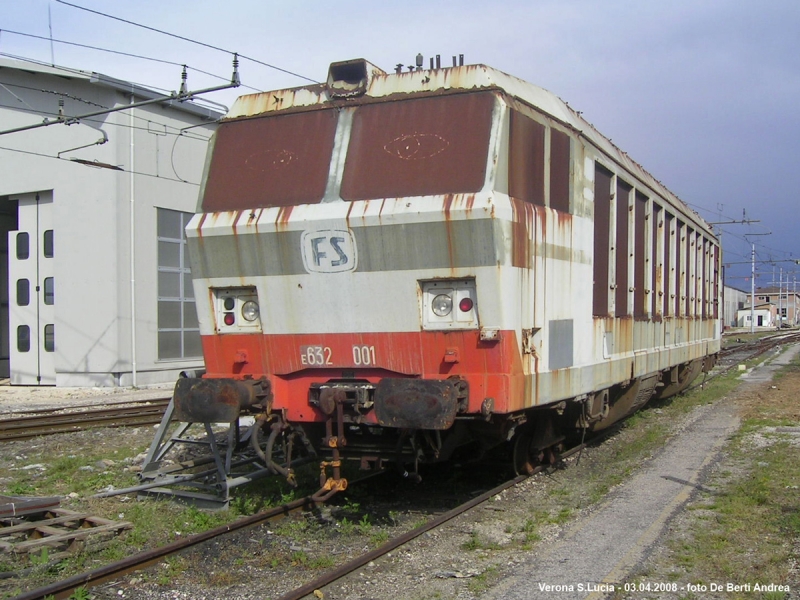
[116, 168]
[80, 73]
[187, 39]
[180, 96]
[168, 127]
[129, 54]
[170, 131]
[73, 71]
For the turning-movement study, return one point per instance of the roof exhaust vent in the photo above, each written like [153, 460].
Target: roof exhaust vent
[351, 78]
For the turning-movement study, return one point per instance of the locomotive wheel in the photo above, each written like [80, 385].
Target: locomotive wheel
[526, 456]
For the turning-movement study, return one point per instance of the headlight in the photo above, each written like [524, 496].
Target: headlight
[442, 305]
[250, 310]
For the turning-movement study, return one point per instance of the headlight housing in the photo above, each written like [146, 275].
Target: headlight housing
[237, 310]
[442, 305]
[250, 310]
[449, 304]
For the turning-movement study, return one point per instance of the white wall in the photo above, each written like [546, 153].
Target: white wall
[92, 217]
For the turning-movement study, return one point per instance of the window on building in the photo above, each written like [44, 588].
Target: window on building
[178, 329]
[48, 243]
[23, 245]
[50, 338]
[49, 290]
[23, 338]
[23, 292]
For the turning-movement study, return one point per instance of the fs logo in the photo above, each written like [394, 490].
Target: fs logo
[329, 251]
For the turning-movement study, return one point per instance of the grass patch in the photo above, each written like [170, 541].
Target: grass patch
[481, 583]
[756, 524]
[748, 529]
[639, 437]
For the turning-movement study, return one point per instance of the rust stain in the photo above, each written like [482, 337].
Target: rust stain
[347, 215]
[541, 214]
[521, 233]
[237, 215]
[200, 225]
[447, 204]
[470, 202]
[282, 220]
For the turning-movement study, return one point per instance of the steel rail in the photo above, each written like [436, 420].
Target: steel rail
[72, 407]
[23, 428]
[403, 539]
[63, 589]
[761, 348]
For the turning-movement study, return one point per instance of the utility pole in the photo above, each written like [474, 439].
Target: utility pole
[753, 281]
[743, 221]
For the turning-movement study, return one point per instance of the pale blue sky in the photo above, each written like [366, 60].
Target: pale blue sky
[702, 93]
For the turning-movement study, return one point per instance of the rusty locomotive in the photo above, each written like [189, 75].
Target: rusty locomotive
[402, 266]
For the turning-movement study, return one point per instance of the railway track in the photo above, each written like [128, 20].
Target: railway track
[64, 420]
[64, 589]
[111, 572]
[732, 356]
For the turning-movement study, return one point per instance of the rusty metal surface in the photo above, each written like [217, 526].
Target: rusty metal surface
[415, 403]
[621, 281]
[560, 173]
[419, 147]
[669, 253]
[680, 265]
[17, 506]
[210, 400]
[640, 309]
[278, 161]
[657, 265]
[387, 87]
[602, 222]
[689, 271]
[526, 159]
[541, 255]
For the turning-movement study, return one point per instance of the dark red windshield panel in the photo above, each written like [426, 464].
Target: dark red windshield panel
[420, 147]
[271, 161]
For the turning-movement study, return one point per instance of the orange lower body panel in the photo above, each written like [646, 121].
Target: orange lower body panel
[293, 362]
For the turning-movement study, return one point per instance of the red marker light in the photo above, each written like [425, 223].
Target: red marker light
[465, 305]
[229, 319]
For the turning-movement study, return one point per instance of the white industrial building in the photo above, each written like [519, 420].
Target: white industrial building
[764, 316]
[734, 300]
[94, 283]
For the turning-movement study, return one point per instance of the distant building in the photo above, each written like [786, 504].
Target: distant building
[94, 281]
[735, 300]
[787, 303]
[764, 316]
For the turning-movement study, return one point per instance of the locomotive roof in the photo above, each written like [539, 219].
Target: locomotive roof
[376, 85]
